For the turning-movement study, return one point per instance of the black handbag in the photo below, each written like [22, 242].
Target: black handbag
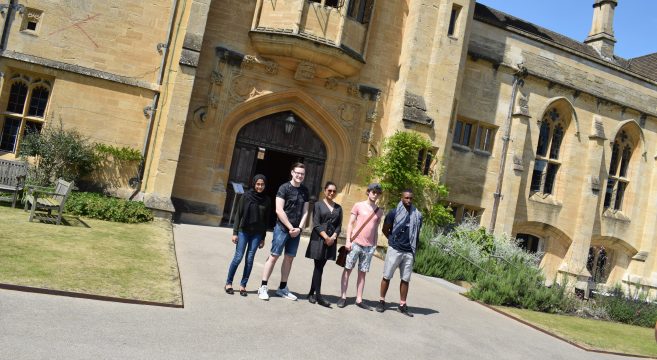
[342, 256]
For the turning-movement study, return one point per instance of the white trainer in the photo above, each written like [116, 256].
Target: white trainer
[285, 293]
[262, 293]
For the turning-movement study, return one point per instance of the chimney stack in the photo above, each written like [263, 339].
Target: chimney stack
[601, 36]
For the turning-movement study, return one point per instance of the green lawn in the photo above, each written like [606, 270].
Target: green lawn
[593, 334]
[133, 261]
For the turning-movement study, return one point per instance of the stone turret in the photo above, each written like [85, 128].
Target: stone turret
[601, 36]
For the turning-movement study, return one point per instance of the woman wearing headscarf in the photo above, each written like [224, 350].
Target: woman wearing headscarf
[249, 229]
[327, 220]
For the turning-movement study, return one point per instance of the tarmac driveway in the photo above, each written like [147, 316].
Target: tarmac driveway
[214, 325]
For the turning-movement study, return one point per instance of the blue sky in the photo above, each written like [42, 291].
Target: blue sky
[635, 21]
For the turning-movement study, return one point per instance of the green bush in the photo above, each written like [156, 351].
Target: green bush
[398, 169]
[97, 206]
[58, 153]
[629, 310]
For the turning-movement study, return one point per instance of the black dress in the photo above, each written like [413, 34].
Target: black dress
[324, 220]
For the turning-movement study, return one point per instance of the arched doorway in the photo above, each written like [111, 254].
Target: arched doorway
[269, 146]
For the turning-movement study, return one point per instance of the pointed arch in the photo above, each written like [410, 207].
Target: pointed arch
[634, 130]
[565, 106]
[327, 128]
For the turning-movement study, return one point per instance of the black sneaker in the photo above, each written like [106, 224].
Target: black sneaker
[364, 306]
[381, 306]
[342, 303]
[312, 299]
[404, 310]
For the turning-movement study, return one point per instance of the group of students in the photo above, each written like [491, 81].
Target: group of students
[401, 226]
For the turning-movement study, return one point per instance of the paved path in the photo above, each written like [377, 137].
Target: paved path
[214, 325]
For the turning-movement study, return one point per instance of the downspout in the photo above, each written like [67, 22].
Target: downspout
[11, 8]
[517, 81]
[153, 107]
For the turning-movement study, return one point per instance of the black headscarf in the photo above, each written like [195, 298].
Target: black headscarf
[253, 199]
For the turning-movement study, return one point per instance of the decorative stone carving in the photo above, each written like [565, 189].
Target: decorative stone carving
[331, 83]
[242, 86]
[271, 67]
[517, 163]
[248, 62]
[373, 113]
[598, 130]
[348, 113]
[595, 184]
[522, 107]
[366, 136]
[216, 78]
[353, 89]
[305, 71]
[200, 117]
[213, 100]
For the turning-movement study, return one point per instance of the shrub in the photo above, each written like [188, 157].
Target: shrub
[397, 169]
[58, 153]
[633, 310]
[97, 206]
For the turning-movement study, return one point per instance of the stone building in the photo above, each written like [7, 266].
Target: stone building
[541, 136]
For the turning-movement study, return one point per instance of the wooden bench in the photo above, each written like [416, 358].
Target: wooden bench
[44, 199]
[12, 180]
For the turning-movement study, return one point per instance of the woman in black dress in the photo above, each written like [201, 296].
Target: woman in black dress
[327, 221]
[253, 210]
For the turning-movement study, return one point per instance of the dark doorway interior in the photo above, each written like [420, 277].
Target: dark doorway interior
[275, 166]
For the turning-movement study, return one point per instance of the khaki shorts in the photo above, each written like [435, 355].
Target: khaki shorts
[397, 259]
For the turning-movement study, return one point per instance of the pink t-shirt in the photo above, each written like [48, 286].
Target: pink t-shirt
[367, 237]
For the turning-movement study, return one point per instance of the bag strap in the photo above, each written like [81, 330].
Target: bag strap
[354, 236]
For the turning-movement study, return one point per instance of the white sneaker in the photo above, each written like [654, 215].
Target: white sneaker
[262, 293]
[285, 293]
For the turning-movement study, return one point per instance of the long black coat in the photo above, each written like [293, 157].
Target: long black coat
[324, 220]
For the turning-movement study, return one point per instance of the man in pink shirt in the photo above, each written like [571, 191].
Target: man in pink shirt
[362, 233]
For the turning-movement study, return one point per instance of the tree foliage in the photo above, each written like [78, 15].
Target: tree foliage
[398, 169]
[58, 153]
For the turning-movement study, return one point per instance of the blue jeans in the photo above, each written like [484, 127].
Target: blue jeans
[283, 241]
[249, 243]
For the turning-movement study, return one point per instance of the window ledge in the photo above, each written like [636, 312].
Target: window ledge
[482, 152]
[615, 215]
[460, 147]
[547, 199]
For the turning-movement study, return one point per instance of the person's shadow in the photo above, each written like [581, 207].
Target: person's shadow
[351, 301]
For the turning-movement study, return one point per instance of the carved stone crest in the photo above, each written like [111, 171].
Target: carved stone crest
[248, 62]
[271, 67]
[353, 89]
[348, 113]
[331, 83]
[517, 163]
[305, 71]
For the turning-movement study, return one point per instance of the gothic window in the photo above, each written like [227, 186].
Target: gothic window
[476, 135]
[424, 159]
[25, 110]
[617, 182]
[360, 10]
[547, 163]
[453, 20]
[529, 243]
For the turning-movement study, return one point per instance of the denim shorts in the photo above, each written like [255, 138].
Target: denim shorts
[397, 259]
[283, 240]
[362, 254]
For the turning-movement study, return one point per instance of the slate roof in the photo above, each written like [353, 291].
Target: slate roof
[645, 65]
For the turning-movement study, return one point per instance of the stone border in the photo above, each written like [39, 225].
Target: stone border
[557, 336]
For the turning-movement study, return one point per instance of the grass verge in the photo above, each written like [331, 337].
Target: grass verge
[131, 261]
[592, 334]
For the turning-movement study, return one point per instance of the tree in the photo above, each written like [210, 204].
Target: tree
[57, 153]
[397, 169]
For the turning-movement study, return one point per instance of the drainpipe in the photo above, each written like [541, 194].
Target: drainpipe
[151, 110]
[11, 8]
[517, 81]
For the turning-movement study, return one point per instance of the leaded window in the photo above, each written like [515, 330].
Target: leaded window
[25, 110]
[617, 182]
[547, 163]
